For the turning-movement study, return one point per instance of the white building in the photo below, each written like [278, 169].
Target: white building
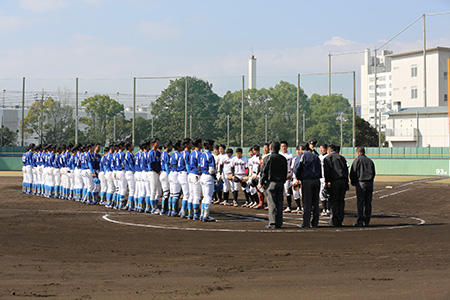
[384, 87]
[252, 72]
[407, 77]
[418, 127]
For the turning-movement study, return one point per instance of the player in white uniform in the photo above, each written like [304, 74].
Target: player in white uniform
[287, 184]
[218, 184]
[253, 176]
[239, 167]
[225, 169]
[323, 192]
[247, 190]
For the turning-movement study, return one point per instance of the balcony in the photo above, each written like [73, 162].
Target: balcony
[402, 134]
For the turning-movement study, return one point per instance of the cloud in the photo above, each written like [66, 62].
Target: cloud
[40, 6]
[158, 29]
[337, 41]
[10, 23]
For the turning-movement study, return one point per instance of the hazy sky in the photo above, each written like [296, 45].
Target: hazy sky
[209, 39]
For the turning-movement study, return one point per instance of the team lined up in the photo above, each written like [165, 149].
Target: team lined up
[172, 174]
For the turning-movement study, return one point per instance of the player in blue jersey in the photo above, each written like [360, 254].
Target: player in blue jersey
[86, 173]
[183, 165]
[208, 169]
[175, 187]
[109, 176]
[57, 171]
[27, 170]
[96, 157]
[102, 178]
[77, 179]
[129, 175]
[34, 159]
[119, 175]
[154, 163]
[195, 188]
[164, 177]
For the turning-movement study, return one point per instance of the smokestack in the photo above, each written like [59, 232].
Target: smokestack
[252, 72]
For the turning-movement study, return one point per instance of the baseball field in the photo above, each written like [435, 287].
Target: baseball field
[61, 249]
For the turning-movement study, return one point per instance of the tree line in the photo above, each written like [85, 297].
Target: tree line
[268, 113]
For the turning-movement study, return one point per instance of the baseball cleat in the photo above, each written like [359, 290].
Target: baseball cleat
[208, 219]
[287, 210]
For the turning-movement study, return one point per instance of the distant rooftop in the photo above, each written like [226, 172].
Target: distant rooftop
[419, 51]
[419, 110]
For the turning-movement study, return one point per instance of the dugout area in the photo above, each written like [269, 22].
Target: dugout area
[61, 249]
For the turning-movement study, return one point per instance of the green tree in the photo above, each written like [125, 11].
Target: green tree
[168, 109]
[323, 121]
[7, 137]
[366, 135]
[56, 120]
[278, 103]
[143, 129]
[100, 111]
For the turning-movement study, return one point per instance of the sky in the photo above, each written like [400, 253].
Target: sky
[107, 42]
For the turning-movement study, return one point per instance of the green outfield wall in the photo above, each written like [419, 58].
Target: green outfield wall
[388, 161]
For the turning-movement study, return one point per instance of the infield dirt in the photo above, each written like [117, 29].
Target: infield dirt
[61, 249]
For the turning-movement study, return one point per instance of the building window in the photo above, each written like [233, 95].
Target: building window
[414, 93]
[445, 97]
[413, 71]
[445, 75]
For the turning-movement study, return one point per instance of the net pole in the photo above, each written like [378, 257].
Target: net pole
[23, 113]
[133, 140]
[297, 134]
[76, 110]
[354, 111]
[448, 103]
[185, 107]
[242, 112]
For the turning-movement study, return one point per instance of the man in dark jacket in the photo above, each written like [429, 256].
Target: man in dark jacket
[273, 176]
[336, 179]
[308, 170]
[362, 175]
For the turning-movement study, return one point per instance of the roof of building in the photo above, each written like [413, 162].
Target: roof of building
[419, 51]
[419, 110]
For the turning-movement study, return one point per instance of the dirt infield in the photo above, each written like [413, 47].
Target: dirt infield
[61, 249]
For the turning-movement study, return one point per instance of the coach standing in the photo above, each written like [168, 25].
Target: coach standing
[336, 179]
[308, 170]
[362, 175]
[273, 176]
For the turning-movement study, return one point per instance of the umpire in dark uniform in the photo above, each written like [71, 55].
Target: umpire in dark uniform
[308, 170]
[362, 174]
[336, 179]
[273, 176]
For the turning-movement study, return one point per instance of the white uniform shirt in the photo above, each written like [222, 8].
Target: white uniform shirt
[254, 166]
[226, 164]
[239, 165]
[322, 157]
[289, 157]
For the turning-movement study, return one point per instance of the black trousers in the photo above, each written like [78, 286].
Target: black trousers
[310, 193]
[337, 201]
[364, 191]
[275, 203]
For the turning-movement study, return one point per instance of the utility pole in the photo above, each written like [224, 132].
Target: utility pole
[185, 106]
[76, 110]
[242, 112]
[228, 131]
[23, 112]
[297, 134]
[341, 119]
[354, 111]
[424, 61]
[133, 135]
